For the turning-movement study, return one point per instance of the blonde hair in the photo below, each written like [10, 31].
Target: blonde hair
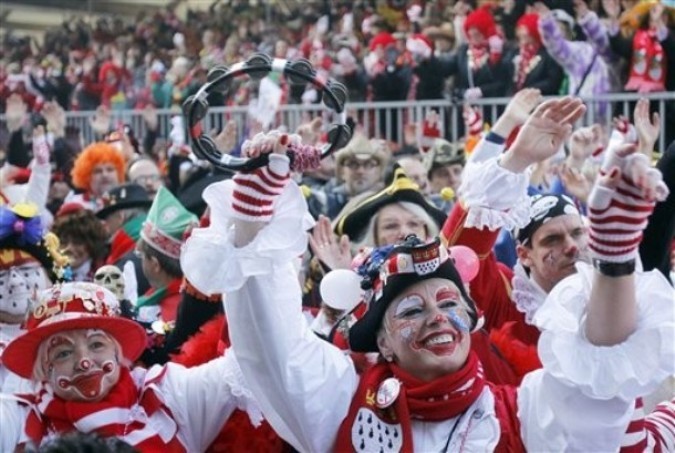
[369, 239]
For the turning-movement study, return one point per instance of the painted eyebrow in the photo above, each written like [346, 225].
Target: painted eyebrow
[447, 293]
[410, 301]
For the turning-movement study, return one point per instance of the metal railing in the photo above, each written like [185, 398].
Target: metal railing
[383, 119]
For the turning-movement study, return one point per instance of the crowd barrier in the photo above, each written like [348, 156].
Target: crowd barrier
[383, 119]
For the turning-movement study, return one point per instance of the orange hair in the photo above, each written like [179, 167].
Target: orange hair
[93, 155]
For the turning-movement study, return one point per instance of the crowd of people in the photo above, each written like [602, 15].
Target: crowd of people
[512, 291]
[382, 51]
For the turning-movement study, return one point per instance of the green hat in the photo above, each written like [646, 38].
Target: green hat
[166, 224]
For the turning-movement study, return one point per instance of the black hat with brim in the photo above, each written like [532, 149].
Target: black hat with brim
[125, 196]
[363, 334]
[402, 188]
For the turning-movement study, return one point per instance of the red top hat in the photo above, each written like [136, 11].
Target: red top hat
[71, 306]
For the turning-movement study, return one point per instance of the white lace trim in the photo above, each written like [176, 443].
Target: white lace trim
[494, 197]
[526, 294]
[214, 265]
[633, 368]
[240, 390]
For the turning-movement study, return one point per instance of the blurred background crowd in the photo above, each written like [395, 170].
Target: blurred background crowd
[383, 50]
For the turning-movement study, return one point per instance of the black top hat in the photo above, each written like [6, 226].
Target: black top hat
[390, 270]
[125, 196]
[401, 188]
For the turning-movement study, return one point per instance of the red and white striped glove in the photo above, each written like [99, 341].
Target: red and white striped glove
[473, 120]
[621, 202]
[256, 192]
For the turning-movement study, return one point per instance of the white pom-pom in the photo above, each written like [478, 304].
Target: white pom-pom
[341, 289]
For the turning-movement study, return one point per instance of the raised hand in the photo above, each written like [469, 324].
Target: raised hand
[656, 14]
[621, 202]
[226, 140]
[41, 149]
[255, 193]
[334, 253]
[647, 131]
[15, 113]
[580, 8]
[310, 132]
[517, 111]
[541, 8]
[149, 114]
[583, 142]
[612, 8]
[576, 183]
[101, 120]
[56, 118]
[543, 133]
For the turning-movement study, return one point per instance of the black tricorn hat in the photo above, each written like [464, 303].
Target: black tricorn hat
[125, 196]
[401, 188]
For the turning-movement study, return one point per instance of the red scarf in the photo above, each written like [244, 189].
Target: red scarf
[441, 399]
[53, 415]
[527, 53]
[477, 57]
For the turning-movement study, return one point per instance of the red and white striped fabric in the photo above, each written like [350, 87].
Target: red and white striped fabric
[473, 119]
[618, 216]
[255, 193]
[135, 415]
[655, 432]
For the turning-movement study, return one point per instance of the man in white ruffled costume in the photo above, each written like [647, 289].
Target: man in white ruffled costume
[552, 237]
[606, 338]
[78, 352]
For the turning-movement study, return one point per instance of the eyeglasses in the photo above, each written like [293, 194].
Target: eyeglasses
[141, 180]
[365, 164]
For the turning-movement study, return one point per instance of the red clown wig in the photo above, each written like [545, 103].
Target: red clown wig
[482, 20]
[93, 155]
[531, 23]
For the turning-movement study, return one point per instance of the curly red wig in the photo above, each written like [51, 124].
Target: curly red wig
[93, 155]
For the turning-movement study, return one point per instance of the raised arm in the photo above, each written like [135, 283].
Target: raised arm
[258, 229]
[492, 197]
[570, 55]
[595, 31]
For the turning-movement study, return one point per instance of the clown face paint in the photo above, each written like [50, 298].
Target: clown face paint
[555, 247]
[82, 365]
[426, 329]
[19, 286]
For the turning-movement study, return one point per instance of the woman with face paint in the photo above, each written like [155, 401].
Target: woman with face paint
[78, 353]
[428, 393]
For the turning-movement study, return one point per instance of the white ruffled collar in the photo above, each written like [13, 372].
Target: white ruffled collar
[526, 294]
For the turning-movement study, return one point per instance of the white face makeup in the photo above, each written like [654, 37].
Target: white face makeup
[81, 364]
[426, 329]
[19, 286]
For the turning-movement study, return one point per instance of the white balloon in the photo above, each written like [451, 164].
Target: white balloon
[341, 289]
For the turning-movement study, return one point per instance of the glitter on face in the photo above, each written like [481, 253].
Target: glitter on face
[457, 320]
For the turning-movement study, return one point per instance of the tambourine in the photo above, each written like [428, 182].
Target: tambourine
[219, 79]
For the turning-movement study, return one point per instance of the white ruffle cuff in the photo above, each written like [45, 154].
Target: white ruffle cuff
[627, 370]
[214, 265]
[494, 197]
